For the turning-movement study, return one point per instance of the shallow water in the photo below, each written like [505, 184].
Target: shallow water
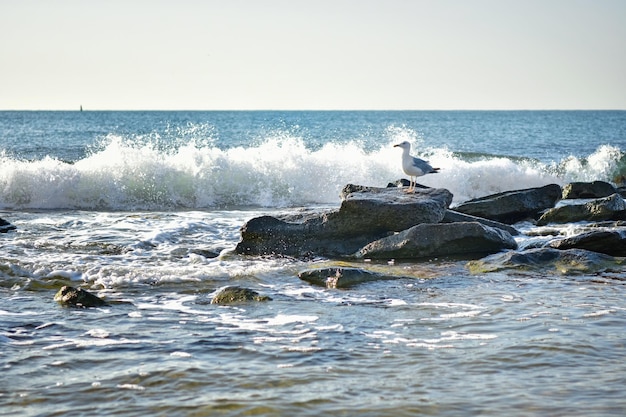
[435, 341]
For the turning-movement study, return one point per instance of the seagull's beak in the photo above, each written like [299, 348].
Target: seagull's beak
[397, 145]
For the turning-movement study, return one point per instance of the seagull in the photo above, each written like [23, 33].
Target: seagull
[413, 167]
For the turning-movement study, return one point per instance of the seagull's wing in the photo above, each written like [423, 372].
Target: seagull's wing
[424, 166]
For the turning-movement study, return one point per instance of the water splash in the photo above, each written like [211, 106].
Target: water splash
[280, 171]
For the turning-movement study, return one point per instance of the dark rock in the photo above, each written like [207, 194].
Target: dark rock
[77, 297]
[5, 226]
[455, 217]
[233, 295]
[563, 262]
[595, 189]
[340, 277]
[403, 182]
[604, 241]
[444, 239]
[366, 214]
[609, 208]
[513, 206]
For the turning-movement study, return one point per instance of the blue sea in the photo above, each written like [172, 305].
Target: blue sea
[144, 210]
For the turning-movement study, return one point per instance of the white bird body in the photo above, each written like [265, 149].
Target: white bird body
[412, 166]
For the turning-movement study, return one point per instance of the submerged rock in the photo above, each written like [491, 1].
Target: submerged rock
[77, 297]
[366, 214]
[610, 242]
[595, 189]
[233, 295]
[340, 277]
[609, 208]
[512, 206]
[564, 262]
[443, 239]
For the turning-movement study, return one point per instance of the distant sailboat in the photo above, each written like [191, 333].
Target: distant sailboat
[81, 107]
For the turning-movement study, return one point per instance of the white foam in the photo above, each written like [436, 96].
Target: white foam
[279, 172]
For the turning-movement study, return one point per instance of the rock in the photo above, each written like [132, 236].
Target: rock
[444, 239]
[340, 277]
[564, 262]
[366, 214]
[403, 182]
[595, 189]
[5, 226]
[233, 295]
[609, 242]
[454, 217]
[77, 297]
[513, 206]
[609, 208]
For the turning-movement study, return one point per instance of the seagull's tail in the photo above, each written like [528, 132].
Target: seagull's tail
[434, 171]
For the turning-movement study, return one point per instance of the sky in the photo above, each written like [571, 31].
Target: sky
[312, 54]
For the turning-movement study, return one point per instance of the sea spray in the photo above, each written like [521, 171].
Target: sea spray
[281, 171]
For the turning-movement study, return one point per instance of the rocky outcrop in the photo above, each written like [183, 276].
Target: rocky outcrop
[5, 226]
[609, 208]
[234, 295]
[77, 297]
[366, 214]
[560, 262]
[595, 189]
[609, 242]
[513, 206]
[444, 239]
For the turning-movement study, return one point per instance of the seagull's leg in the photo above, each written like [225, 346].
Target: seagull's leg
[411, 186]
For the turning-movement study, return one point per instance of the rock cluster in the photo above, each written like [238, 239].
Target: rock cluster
[385, 223]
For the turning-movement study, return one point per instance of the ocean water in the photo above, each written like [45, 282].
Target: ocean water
[144, 209]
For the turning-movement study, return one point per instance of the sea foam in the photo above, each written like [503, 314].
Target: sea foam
[281, 171]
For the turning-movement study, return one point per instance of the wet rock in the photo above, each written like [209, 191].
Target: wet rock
[233, 295]
[595, 189]
[455, 217]
[513, 206]
[443, 239]
[604, 241]
[609, 208]
[403, 182]
[77, 297]
[5, 226]
[340, 277]
[366, 214]
[564, 262]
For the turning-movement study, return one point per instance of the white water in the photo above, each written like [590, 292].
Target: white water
[280, 172]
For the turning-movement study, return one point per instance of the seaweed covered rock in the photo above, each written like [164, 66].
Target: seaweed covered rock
[562, 262]
[77, 297]
[512, 206]
[442, 239]
[234, 295]
[609, 208]
[366, 214]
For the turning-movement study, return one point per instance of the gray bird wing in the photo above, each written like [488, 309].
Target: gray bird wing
[423, 165]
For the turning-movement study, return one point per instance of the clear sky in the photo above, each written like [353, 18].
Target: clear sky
[312, 54]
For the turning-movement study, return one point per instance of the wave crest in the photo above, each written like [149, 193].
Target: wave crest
[281, 171]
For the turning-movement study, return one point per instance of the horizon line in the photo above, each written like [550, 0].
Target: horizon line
[82, 109]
